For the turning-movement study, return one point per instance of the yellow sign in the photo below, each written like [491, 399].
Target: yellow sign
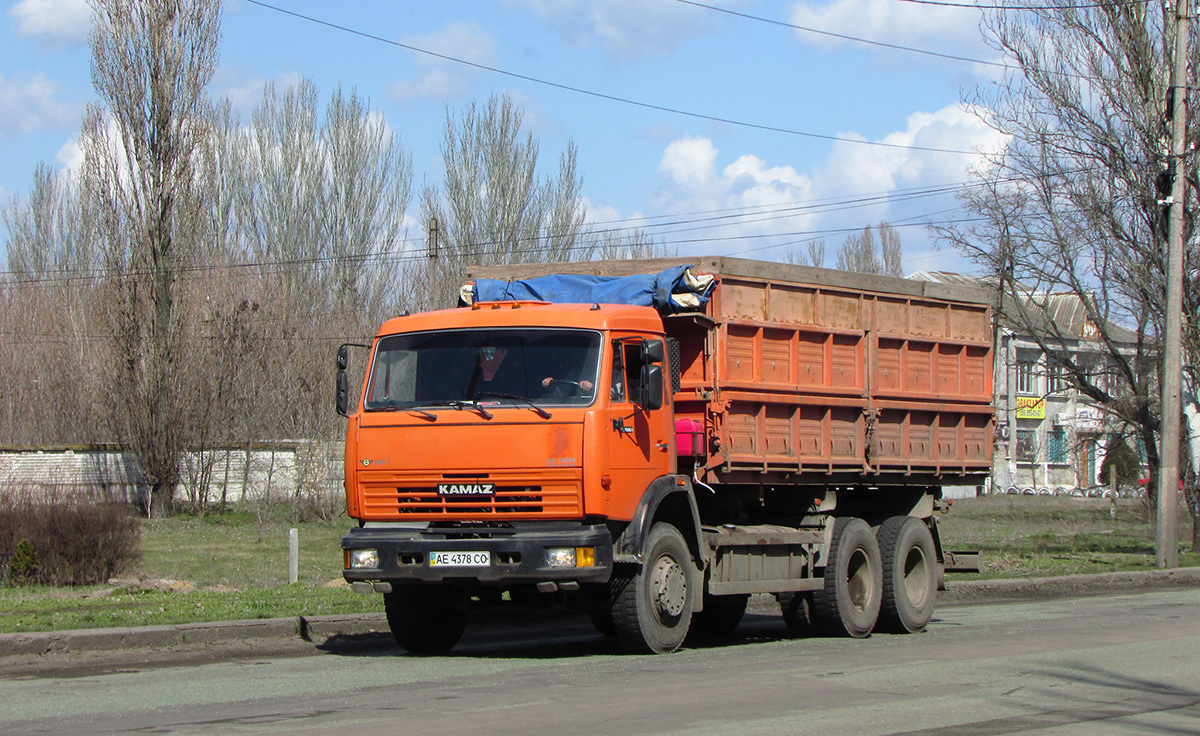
[1031, 407]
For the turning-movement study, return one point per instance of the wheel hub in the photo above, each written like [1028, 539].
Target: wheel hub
[668, 586]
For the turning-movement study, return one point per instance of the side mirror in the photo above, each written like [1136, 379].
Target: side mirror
[343, 394]
[652, 386]
[343, 358]
[653, 352]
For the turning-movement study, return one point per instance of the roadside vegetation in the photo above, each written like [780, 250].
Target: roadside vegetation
[213, 568]
[1023, 536]
[233, 566]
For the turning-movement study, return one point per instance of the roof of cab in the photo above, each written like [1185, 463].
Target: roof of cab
[530, 314]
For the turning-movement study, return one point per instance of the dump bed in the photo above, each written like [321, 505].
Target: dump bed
[799, 375]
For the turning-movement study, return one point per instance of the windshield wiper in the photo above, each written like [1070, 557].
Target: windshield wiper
[460, 405]
[523, 399]
[397, 407]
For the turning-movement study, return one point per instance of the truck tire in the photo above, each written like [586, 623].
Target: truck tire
[424, 619]
[721, 614]
[848, 604]
[798, 613]
[909, 575]
[652, 608]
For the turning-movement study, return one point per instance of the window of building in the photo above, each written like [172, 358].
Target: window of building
[1026, 377]
[1060, 381]
[1056, 445]
[1027, 445]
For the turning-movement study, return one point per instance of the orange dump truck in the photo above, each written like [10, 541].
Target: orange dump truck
[654, 441]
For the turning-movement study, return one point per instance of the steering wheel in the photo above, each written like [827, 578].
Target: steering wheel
[563, 387]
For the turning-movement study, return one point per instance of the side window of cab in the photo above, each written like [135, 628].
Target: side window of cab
[617, 392]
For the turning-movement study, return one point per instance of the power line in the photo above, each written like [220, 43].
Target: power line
[1064, 6]
[844, 37]
[603, 95]
[911, 49]
[689, 222]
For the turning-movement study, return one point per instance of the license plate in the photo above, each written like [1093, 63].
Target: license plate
[460, 559]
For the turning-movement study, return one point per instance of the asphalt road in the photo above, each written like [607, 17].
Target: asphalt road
[1103, 665]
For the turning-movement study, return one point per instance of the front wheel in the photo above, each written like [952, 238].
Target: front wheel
[848, 604]
[424, 619]
[652, 608]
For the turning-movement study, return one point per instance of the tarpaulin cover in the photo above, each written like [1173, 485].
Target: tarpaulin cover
[672, 290]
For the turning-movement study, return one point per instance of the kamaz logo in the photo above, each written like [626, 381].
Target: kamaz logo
[466, 489]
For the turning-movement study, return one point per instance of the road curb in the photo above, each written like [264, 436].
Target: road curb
[1067, 586]
[321, 630]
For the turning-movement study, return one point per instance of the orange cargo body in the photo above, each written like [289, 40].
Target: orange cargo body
[811, 376]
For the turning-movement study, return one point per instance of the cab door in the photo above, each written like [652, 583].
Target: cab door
[641, 443]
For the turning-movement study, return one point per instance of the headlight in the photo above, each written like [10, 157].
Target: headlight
[359, 558]
[560, 557]
[571, 557]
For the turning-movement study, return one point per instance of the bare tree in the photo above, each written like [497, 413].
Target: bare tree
[492, 207]
[48, 316]
[151, 63]
[1072, 204]
[367, 192]
[890, 251]
[325, 197]
[813, 255]
[52, 233]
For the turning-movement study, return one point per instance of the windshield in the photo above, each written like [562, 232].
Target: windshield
[488, 366]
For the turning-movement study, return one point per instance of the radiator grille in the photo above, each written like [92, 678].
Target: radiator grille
[510, 500]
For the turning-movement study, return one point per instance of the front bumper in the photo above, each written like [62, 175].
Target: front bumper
[517, 551]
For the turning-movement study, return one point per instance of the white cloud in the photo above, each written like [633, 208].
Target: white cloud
[55, 22]
[871, 169]
[748, 186]
[889, 21]
[625, 29]
[439, 78]
[71, 156]
[842, 194]
[29, 105]
[689, 161]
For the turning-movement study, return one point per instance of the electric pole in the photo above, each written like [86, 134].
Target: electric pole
[1166, 542]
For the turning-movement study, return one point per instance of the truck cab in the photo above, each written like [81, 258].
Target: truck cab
[501, 447]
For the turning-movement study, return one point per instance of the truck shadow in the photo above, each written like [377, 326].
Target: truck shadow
[551, 636]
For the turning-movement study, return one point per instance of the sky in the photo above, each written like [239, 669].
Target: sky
[719, 127]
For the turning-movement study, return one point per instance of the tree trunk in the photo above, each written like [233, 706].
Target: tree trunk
[160, 499]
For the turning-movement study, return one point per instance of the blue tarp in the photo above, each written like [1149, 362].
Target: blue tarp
[649, 290]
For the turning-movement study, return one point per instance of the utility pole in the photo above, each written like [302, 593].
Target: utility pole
[432, 245]
[1166, 542]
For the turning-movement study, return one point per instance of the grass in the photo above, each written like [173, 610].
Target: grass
[235, 568]
[1023, 536]
[230, 571]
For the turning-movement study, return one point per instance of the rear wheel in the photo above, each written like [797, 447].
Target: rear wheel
[909, 575]
[652, 608]
[797, 610]
[848, 604]
[424, 619]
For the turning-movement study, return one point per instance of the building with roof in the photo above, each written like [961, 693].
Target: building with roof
[1050, 437]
